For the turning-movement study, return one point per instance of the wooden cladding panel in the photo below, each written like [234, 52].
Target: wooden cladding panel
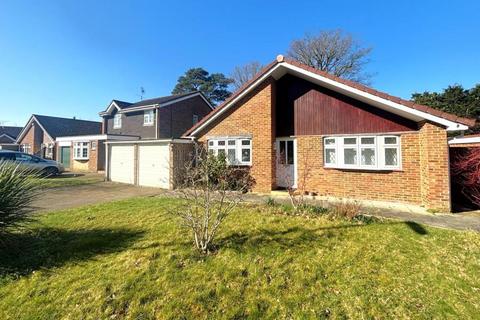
[308, 109]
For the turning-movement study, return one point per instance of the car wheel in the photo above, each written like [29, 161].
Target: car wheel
[50, 171]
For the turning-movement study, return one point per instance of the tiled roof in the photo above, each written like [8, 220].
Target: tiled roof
[58, 127]
[352, 84]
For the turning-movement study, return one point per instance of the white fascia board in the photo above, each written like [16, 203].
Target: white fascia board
[464, 140]
[151, 141]
[141, 108]
[95, 137]
[345, 89]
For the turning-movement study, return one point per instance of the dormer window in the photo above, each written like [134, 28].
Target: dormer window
[117, 121]
[148, 117]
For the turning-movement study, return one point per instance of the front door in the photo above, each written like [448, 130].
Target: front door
[286, 162]
[65, 156]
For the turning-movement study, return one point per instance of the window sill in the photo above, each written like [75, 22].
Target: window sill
[81, 159]
[148, 124]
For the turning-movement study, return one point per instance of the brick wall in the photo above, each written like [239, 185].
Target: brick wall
[402, 186]
[435, 167]
[423, 179]
[255, 118]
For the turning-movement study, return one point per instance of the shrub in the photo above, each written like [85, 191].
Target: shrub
[212, 190]
[345, 210]
[17, 191]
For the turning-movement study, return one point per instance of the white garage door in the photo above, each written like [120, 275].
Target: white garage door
[153, 165]
[122, 163]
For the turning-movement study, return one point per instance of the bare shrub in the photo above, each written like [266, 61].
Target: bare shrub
[211, 190]
[346, 210]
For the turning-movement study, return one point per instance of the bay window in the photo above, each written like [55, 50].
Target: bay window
[80, 151]
[362, 152]
[237, 151]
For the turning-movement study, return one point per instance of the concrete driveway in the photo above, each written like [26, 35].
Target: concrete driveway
[76, 196]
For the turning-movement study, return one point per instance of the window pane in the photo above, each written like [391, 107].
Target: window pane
[231, 142]
[84, 152]
[282, 154]
[350, 141]
[350, 156]
[290, 152]
[231, 156]
[390, 140]
[329, 141]
[221, 152]
[246, 155]
[245, 142]
[330, 156]
[368, 156]
[210, 143]
[221, 142]
[391, 156]
[368, 140]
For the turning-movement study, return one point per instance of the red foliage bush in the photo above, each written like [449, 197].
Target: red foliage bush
[466, 172]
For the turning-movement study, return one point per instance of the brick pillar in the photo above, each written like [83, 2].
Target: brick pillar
[434, 168]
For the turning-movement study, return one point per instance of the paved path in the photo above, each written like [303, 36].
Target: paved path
[76, 196]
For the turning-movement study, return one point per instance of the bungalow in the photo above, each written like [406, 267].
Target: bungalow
[295, 126]
[8, 137]
[39, 134]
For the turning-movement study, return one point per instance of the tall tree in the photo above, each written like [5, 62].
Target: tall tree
[242, 74]
[214, 86]
[335, 52]
[454, 99]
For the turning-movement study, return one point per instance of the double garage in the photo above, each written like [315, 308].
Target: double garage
[152, 163]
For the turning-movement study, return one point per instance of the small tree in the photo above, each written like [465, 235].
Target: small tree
[17, 191]
[211, 190]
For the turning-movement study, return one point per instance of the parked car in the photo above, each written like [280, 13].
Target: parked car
[44, 166]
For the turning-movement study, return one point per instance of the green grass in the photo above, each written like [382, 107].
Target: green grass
[126, 260]
[69, 180]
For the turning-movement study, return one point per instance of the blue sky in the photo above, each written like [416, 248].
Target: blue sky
[70, 58]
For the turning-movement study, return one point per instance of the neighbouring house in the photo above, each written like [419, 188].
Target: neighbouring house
[151, 158]
[8, 137]
[39, 135]
[295, 126]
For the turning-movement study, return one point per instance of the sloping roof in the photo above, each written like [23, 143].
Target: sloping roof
[126, 106]
[12, 132]
[57, 127]
[394, 104]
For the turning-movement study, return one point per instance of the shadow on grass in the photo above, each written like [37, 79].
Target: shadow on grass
[23, 253]
[417, 228]
[289, 238]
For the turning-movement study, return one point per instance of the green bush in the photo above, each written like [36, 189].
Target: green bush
[17, 191]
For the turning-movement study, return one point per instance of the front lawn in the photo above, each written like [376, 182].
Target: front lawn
[69, 180]
[127, 260]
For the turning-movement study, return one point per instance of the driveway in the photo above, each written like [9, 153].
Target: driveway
[76, 196]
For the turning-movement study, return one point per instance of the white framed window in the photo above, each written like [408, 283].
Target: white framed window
[195, 119]
[117, 121]
[49, 151]
[25, 148]
[148, 117]
[237, 151]
[362, 152]
[93, 145]
[81, 151]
